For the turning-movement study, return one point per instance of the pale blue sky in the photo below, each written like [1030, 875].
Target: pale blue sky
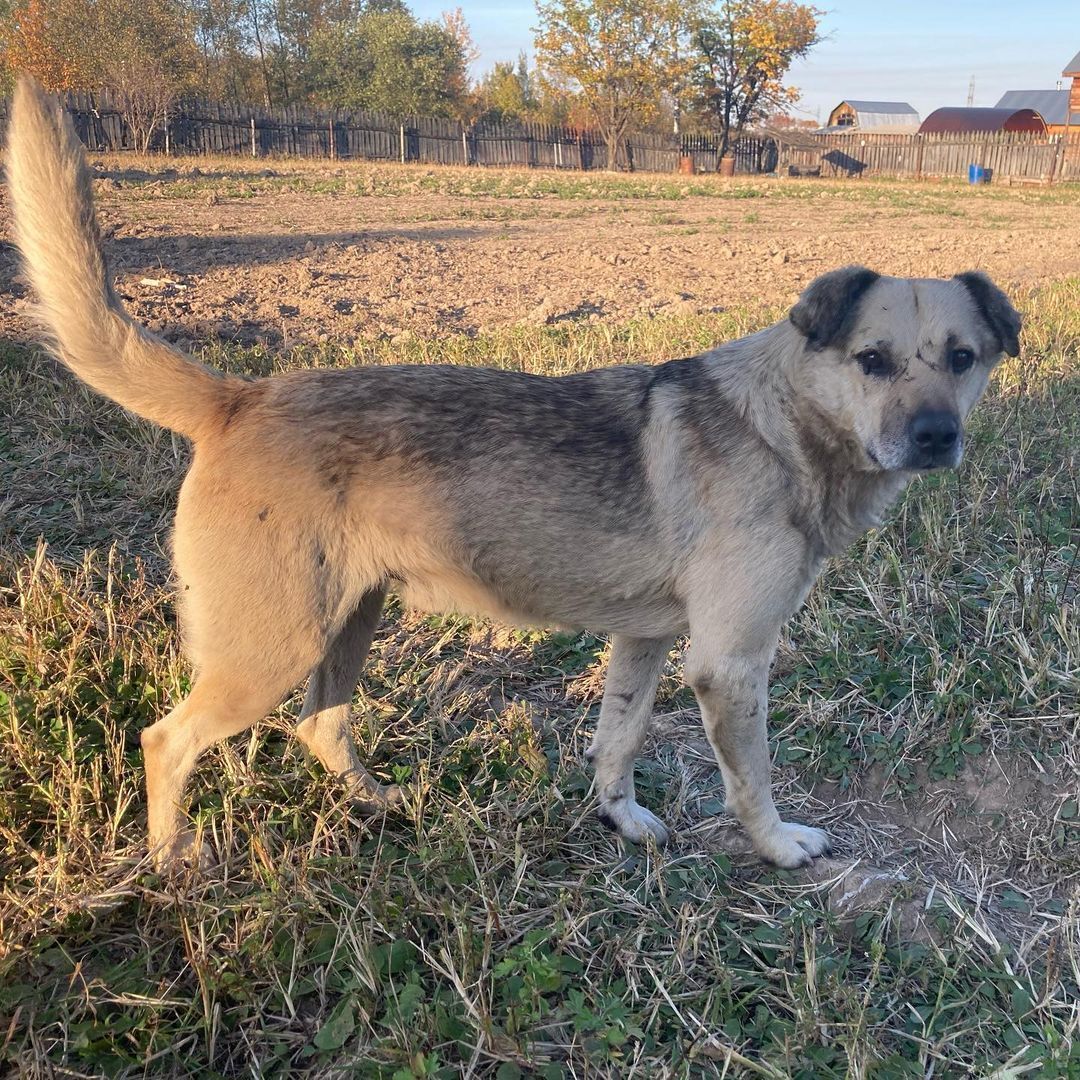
[922, 51]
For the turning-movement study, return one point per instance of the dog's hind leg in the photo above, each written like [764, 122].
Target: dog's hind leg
[257, 610]
[324, 720]
[629, 693]
[224, 701]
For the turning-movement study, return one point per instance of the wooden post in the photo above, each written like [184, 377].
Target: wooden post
[402, 134]
[166, 130]
[918, 158]
[464, 144]
[1057, 166]
[1068, 124]
[254, 153]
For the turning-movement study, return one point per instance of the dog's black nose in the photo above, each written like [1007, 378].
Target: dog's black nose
[935, 432]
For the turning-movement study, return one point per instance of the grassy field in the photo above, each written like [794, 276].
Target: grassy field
[924, 708]
[231, 177]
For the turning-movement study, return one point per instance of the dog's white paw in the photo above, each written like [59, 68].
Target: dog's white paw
[371, 798]
[633, 822]
[790, 846]
[184, 853]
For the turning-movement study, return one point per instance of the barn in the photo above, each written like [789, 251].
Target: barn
[876, 117]
[982, 120]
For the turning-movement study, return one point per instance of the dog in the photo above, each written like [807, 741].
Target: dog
[700, 495]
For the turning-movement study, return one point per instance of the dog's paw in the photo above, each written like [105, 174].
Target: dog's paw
[790, 846]
[633, 822]
[184, 853]
[371, 799]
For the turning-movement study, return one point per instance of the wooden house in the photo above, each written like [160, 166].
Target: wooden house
[1072, 71]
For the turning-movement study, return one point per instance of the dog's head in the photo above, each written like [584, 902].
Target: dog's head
[897, 364]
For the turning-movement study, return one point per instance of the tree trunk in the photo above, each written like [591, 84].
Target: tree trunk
[611, 137]
[612, 130]
[267, 95]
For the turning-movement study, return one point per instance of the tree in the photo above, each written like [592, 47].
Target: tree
[371, 53]
[745, 48]
[225, 68]
[619, 54]
[144, 52]
[48, 39]
[388, 60]
[457, 31]
[507, 92]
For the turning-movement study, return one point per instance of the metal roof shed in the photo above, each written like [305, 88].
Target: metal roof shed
[982, 120]
[874, 115]
[1051, 105]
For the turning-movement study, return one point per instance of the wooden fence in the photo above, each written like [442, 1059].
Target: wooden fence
[1004, 156]
[201, 127]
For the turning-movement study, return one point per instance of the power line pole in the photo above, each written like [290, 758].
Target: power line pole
[971, 92]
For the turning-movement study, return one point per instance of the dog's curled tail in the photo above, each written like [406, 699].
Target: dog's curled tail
[58, 236]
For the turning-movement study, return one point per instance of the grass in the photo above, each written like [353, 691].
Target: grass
[924, 705]
[240, 178]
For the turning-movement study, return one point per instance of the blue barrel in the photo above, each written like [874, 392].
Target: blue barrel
[976, 174]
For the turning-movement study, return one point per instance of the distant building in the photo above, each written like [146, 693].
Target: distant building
[1072, 71]
[985, 120]
[873, 117]
[1053, 106]
[787, 122]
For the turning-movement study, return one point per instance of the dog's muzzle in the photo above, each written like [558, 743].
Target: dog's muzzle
[935, 440]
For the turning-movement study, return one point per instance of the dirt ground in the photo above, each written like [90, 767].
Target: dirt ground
[299, 253]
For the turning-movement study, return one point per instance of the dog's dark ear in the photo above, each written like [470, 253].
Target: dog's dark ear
[995, 309]
[827, 308]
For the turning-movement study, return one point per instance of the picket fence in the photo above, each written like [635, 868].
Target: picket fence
[203, 127]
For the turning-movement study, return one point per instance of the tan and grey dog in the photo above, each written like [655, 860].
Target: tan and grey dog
[699, 495]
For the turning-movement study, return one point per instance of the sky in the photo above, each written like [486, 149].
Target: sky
[924, 52]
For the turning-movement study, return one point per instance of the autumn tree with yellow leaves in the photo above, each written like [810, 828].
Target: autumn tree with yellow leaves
[47, 39]
[744, 49]
[621, 56]
[140, 50]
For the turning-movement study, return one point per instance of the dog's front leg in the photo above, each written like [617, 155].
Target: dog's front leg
[629, 693]
[731, 688]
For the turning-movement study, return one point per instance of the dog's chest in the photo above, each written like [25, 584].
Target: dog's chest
[849, 507]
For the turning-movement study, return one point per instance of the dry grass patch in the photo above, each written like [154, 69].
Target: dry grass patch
[925, 703]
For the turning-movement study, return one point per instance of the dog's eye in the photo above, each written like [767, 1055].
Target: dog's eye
[874, 362]
[960, 360]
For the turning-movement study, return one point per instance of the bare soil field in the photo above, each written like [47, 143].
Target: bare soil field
[925, 703]
[301, 252]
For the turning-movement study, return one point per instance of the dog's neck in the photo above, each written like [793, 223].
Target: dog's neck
[840, 500]
[837, 495]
